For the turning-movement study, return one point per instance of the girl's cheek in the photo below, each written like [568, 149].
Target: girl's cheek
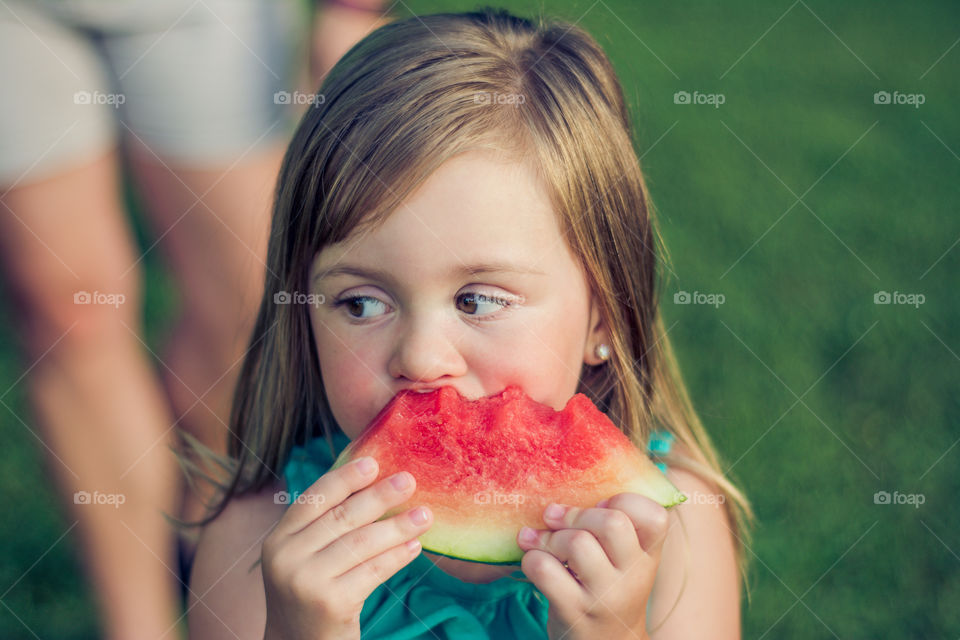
[350, 386]
[536, 370]
[545, 361]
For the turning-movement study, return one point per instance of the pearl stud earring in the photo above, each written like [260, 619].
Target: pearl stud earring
[602, 351]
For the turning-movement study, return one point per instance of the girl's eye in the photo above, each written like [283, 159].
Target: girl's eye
[479, 304]
[356, 306]
[472, 303]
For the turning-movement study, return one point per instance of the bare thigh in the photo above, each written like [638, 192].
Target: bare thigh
[69, 256]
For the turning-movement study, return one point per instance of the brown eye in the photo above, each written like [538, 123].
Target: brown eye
[467, 303]
[357, 305]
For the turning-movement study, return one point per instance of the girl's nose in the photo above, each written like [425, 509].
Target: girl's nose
[423, 353]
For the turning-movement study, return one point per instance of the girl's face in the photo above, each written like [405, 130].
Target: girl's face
[469, 283]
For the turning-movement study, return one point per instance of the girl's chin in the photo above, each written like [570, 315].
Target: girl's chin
[470, 571]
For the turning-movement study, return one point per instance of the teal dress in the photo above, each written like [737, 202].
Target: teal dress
[421, 600]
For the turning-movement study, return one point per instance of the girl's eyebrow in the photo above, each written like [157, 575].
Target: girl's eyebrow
[387, 276]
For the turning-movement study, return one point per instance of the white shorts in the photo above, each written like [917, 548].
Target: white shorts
[192, 79]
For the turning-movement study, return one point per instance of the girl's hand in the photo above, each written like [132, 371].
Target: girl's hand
[612, 554]
[327, 553]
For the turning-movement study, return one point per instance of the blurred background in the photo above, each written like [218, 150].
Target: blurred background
[804, 161]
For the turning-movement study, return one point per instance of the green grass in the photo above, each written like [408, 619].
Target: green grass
[878, 384]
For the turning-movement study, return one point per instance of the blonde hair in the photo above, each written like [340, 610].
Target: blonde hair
[408, 97]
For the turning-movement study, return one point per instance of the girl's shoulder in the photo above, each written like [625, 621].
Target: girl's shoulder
[697, 591]
[226, 570]
[250, 510]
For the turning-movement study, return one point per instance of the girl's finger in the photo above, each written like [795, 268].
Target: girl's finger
[360, 509]
[359, 546]
[650, 520]
[329, 490]
[363, 579]
[555, 582]
[578, 549]
[611, 527]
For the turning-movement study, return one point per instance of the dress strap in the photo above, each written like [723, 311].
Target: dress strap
[659, 446]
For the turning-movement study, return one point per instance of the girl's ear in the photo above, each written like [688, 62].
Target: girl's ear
[596, 336]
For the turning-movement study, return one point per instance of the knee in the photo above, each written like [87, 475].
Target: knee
[93, 310]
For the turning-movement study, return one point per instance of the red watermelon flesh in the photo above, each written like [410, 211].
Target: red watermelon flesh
[490, 466]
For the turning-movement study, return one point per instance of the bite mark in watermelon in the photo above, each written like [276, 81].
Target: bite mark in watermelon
[490, 466]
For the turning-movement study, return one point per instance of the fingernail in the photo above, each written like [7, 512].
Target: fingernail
[603, 503]
[528, 535]
[418, 515]
[555, 511]
[400, 481]
[366, 465]
[413, 545]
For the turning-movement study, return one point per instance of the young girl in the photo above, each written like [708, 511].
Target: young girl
[464, 207]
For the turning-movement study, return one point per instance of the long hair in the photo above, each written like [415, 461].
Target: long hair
[408, 97]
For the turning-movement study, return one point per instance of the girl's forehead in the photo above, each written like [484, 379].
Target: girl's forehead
[475, 209]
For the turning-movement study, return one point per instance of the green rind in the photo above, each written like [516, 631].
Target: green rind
[675, 499]
[494, 547]
[656, 486]
[447, 555]
[343, 458]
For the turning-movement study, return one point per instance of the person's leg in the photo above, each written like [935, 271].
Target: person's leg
[214, 225]
[97, 403]
[205, 137]
[95, 397]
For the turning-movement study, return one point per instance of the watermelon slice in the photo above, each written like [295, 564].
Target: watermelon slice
[490, 466]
